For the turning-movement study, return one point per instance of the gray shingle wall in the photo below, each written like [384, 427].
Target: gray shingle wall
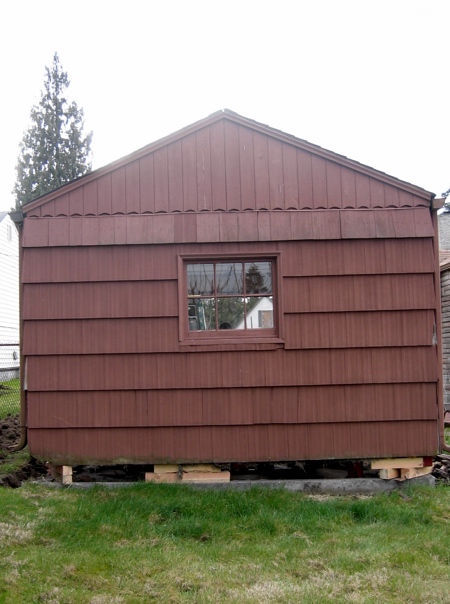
[444, 231]
[445, 298]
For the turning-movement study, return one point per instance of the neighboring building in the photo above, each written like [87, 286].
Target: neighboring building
[444, 258]
[9, 298]
[445, 301]
[444, 230]
[260, 316]
[129, 272]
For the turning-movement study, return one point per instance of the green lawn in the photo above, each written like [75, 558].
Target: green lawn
[9, 398]
[170, 543]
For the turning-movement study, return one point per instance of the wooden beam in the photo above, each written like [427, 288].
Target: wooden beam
[165, 468]
[62, 474]
[389, 474]
[206, 477]
[407, 474]
[162, 477]
[397, 462]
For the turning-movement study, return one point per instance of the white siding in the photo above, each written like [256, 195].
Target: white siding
[9, 292]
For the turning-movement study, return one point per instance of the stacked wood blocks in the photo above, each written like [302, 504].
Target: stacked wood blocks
[403, 468]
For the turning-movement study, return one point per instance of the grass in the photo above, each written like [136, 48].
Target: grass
[170, 543]
[11, 462]
[9, 398]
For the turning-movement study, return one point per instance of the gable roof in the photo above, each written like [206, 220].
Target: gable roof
[327, 162]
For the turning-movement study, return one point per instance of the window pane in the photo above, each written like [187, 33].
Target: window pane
[229, 278]
[259, 312]
[200, 279]
[230, 313]
[258, 278]
[201, 314]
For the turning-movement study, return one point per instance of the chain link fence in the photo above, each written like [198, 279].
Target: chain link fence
[9, 379]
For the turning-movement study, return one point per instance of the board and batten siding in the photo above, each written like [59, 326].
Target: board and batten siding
[354, 373]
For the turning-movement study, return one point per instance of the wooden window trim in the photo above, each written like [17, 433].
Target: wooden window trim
[224, 338]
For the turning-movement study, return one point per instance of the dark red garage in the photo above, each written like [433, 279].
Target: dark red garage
[231, 293]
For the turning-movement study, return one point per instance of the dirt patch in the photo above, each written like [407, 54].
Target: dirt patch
[30, 468]
[9, 432]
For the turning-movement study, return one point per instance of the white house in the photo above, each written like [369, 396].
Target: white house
[260, 316]
[9, 295]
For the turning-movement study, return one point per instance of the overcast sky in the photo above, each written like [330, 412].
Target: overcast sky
[369, 80]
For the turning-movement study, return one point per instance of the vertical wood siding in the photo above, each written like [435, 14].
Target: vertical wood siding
[227, 167]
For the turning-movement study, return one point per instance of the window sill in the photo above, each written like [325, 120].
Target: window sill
[224, 344]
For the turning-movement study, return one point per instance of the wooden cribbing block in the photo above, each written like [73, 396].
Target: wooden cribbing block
[165, 468]
[408, 473]
[62, 474]
[201, 467]
[206, 477]
[389, 474]
[397, 462]
[161, 477]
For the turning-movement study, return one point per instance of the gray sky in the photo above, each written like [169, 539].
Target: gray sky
[369, 80]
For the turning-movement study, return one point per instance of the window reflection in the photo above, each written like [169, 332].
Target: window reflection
[230, 295]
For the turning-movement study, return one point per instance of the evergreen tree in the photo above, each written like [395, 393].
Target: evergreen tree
[446, 196]
[55, 149]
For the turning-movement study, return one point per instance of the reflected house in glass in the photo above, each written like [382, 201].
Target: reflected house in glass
[260, 316]
[230, 293]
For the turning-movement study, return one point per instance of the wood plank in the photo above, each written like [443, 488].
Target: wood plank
[218, 178]
[76, 202]
[239, 368]
[62, 474]
[290, 178]
[118, 191]
[232, 174]
[165, 477]
[305, 181]
[397, 462]
[165, 468]
[334, 186]
[132, 191]
[409, 473]
[223, 444]
[147, 184]
[161, 177]
[247, 169]
[348, 188]
[389, 473]
[362, 186]
[319, 181]
[206, 477]
[261, 171]
[104, 186]
[90, 197]
[175, 169]
[276, 184]
[203, 153]
[189, 158]
[199, 467]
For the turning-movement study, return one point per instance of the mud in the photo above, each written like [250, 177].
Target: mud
[9, 437]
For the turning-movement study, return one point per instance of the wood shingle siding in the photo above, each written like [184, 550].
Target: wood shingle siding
[351, 369]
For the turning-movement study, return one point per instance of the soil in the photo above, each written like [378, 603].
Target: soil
[10, 436]
[9, 432]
